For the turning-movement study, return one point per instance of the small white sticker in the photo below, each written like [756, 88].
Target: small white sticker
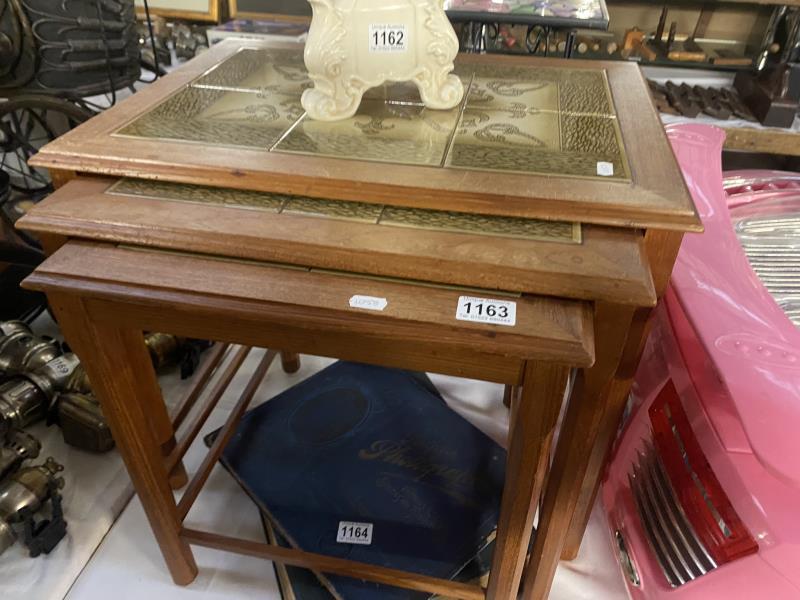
[487, 310]
[605, 169]
[6, 329]
[62, 365]
[388, 38]
[354, 533]
[368, 302]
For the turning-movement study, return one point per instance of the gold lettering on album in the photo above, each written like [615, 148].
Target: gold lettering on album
[400, 454]
[417, 460]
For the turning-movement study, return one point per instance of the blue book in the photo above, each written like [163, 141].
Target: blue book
[363, 444]
[296, 583]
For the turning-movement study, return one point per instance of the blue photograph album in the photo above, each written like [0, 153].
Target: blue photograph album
[370, 464]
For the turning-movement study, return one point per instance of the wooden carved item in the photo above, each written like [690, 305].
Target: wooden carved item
[773, 95]
[355, 46]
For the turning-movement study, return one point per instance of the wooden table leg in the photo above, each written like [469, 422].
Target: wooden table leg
[61, 177]
[583, 419]
[156, 412]
[290, 362]
[662, 250]
[123, 379]
[616, 397]
[533, 419]
[510, 395]
[508, 390]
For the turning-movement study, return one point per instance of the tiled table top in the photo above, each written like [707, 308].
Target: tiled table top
[376, 214]
[536, 121]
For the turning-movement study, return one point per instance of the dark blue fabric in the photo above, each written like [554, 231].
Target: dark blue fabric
[370, 444]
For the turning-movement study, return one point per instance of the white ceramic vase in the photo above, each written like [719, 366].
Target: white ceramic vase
[354, 45]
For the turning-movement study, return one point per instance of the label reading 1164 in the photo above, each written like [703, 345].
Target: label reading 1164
[388, 38]
[486, 310]
[354, 533]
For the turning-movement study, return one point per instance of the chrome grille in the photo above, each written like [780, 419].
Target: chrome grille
[680, 553]
[772, 245]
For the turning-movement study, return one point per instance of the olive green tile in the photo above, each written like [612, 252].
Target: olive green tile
[218, 117]
[281, 204]
[538, 143]
[198, 194]
[594, 139]
[518, 89]
[528, 131]
[512, 96]
[530, 229]
[405, 134]
[333, 209]
[261, 71]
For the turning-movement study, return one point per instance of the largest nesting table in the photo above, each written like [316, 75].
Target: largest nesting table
[208, 205]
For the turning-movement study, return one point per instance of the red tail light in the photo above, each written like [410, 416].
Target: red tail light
[698, 491]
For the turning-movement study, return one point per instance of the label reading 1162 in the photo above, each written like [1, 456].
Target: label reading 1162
[354, 533]
[486, 310]
[388, 38]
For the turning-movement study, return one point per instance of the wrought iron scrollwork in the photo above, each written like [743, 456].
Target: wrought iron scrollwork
[17, 47]
[68, 47]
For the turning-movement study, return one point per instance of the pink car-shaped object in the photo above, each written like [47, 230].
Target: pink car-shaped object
[702, 492]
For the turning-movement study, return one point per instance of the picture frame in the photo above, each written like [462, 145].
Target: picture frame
[190, 10]
[298, 11]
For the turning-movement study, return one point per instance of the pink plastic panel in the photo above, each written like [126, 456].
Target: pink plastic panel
[752, 343]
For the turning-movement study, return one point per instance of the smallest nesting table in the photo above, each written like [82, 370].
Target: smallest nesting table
[112, 293]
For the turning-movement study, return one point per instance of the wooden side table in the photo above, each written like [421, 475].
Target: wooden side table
[112, 293]
[553, 178]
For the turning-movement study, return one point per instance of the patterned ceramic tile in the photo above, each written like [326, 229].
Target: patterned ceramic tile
[198, 194]
[530, 131]
[363, 212]
[406, 134]
[515, 89]
[544, 120]
[512, 96]
[531, 229]
[277, 203]
[538, 142]
[333, 209]
[258, 71]
[219, 117]
[515, 118]
[594, 139]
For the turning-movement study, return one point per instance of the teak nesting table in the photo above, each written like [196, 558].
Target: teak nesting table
[208, 206]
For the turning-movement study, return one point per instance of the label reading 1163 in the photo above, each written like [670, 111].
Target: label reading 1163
[388, 38]
[486, 310]
[354, 533]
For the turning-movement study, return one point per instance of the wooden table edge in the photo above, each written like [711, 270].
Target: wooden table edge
[577, 351]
